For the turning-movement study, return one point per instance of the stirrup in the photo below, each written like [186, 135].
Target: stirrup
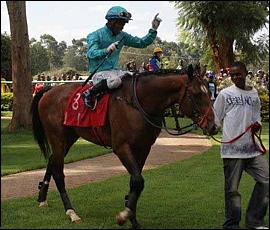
[90, 106]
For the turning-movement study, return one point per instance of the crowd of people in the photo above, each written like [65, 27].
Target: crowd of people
[46, 80]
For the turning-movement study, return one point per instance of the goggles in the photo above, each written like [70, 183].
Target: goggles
[121, 15]
[125, 14]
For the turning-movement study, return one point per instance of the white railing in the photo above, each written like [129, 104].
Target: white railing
[6, 89]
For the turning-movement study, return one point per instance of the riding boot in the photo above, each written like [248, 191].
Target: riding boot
[100, 87]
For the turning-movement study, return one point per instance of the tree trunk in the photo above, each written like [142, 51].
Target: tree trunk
[21, 76]
[226, 54]
[222, 49]
[223, 53]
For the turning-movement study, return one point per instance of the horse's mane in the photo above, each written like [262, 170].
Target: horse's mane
[162, 72]
[159, 72]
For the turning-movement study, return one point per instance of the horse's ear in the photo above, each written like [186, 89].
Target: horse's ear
[190, 72]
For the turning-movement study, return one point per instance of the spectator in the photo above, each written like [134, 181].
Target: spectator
[42, 77]
[143, 67]
[155, 60]
[180, 64]
[105, 42]
[238, 107]
[131, 66]
[38, 87]
[76, 77]
[212, 86]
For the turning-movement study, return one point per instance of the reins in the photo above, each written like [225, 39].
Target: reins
[147, 117]
[253, 135]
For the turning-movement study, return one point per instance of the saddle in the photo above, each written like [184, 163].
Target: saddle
[78, 114]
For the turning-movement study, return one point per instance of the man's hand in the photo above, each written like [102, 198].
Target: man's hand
[156, 22]
[256, 127]
[112, 47]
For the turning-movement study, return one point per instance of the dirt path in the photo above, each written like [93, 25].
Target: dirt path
[167, 149]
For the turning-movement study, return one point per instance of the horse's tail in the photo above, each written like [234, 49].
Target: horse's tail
[37, 127]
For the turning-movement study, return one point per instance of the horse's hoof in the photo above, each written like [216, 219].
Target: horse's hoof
[73, 216]
[136, 226]
[78, 220]
[123, 216]
[120, 220]
[43, 204]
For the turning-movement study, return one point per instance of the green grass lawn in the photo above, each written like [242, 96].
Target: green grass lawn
[19, 151]
[187, 194]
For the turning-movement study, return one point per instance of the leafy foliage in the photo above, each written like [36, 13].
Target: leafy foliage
[265, 107]
[5, 56]
[39, 57]
[221, 26]
[6, 101]
[75, 55]
[55, 50]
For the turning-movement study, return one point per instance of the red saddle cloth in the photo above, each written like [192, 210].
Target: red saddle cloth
[78, 114]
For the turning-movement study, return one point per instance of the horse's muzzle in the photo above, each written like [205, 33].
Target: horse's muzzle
[211, 131]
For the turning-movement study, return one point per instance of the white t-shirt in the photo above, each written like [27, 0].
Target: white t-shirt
[237, 109]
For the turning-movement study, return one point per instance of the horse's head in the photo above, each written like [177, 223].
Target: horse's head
[195, 100]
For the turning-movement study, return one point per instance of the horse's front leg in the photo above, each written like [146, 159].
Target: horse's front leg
[129, 213]
[136, 187]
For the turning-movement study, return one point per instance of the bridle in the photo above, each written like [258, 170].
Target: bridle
[200, 120]
[148, 118]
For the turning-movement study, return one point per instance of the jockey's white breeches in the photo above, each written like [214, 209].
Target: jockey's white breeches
[113, 77]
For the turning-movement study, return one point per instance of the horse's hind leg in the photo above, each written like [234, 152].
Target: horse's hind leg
[60, 149]
[44, 185]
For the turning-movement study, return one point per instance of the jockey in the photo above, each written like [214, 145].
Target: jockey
[104, 43]
[155, 60]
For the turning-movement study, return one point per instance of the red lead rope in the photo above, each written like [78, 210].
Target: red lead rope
[253, 135]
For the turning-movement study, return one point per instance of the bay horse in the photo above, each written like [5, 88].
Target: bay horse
[133, 123]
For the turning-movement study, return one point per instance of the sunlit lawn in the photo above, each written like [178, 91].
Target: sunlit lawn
[19, 151]
[187, 194]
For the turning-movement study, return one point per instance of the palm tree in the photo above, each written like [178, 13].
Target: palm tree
[223, 25]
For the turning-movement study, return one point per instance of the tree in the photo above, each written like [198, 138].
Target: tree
[55, 50]
[224, 25]
[5, 56]
[39, 58]
[261, 48]
[21, 78]
[75, 56]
